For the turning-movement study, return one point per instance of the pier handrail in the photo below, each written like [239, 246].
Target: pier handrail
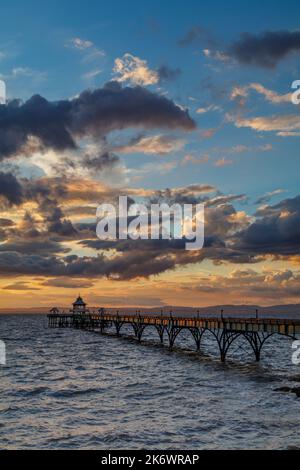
[176, 319]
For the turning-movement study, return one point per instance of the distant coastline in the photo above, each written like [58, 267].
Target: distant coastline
[284, 310]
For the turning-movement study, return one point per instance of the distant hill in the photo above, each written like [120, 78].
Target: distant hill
[33, 310]
[285, 311]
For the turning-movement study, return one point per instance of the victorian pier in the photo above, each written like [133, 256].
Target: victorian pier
[255, 331]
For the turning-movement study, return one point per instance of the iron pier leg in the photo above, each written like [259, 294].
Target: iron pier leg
[257, 340]
[160, 330]
[197, 335]
[225, 339]
[118, 326]
[173, 332]
[138, 329]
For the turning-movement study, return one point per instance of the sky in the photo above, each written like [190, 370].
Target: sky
[186, 102]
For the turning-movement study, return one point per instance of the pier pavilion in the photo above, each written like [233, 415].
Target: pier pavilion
[79, 306]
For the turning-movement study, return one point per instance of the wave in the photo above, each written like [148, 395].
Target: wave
[71, 393]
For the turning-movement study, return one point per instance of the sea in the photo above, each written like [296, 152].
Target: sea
[73, 389]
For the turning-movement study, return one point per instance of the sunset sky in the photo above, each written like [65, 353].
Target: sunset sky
[181, 101]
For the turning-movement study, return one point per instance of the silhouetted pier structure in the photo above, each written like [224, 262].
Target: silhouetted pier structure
[256, 331]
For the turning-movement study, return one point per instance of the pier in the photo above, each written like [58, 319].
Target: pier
[255, 331]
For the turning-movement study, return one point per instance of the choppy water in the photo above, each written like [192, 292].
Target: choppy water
[74, 389]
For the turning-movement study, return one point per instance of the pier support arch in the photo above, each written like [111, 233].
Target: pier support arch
[197, 334]
[256, 341]
[118, 325]
[138, 329]
[160, 330]
[172, 331]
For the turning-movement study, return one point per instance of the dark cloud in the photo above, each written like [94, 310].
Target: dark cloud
[268, 196]
[223, 199]
[13, 262]
[39, 255]
[49, 200]
[59, 226]
[94, 113]
[20, 286]
[79, 210]
[275, 232]
[37, 117]
[128, 266]
[123, 246]
[41, 246]
[10, 188]
[113, 107]
[132, 260]
[167, 73]
[192, 194]
[265, 49]
[68, 283]
[29, 234]
[6, 223]
[36, 244]
[104, 161]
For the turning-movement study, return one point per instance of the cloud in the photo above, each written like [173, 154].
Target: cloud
[276, 231]
[281, 124]
[45, 242]
[129, 265]
[206, 109]
[22, 72]
[156, 144]
[221, 162]
[222, 221]
[160, 168]
[10, 188]
[87, 48]
[103, 161]
[94, 113]
[216, 55]
[12, 262]
[67, 283]
[25, 72]
[266, 49]
[6, 222]
[241, 148]
[268, 196]
[132, 69]
[36, 245]
[190, 194]
[92, 74]
[80, 44]
[225, 199]
[208, 133]
[166, 73]
[94, 54]
[239, 92]
[190, 158]
[288, 134]
[263, 287]
[20, 286]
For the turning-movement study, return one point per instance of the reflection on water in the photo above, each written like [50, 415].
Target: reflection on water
[75, 389]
